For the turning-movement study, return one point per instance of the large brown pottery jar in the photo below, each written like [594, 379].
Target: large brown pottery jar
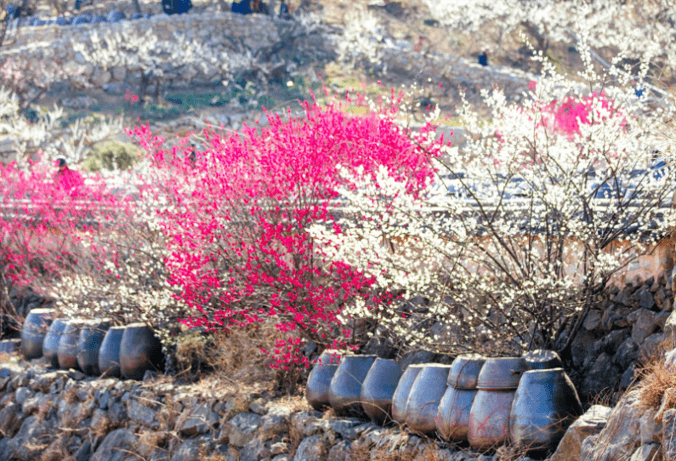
[140, 351]
[543, 359]
[489, 416]
[423, 401]
[89, 343]
[402, 392]
[317, 388]
[34, 330]
[452, 421]
[109, 353]
[67, 351]
[345, 388]
[378, 389]
[545, 404]
[50, 345]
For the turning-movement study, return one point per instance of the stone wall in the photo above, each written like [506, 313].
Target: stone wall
[63, 415]
[224, 33]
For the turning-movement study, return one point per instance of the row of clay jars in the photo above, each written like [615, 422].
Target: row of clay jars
[482, 406]
[95, 347]
[354, 385]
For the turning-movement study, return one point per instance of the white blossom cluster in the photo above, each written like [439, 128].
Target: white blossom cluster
[516, 236]
[46, 135]
[129, 282]
[643, 28]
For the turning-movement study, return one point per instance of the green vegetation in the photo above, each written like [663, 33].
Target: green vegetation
[112, 155]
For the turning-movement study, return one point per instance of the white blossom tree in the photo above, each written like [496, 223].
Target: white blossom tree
[517, 237]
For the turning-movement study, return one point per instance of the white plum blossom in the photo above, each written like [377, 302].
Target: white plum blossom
[525, 226]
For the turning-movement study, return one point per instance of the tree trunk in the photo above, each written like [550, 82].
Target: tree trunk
[136, 5]
[143, 88]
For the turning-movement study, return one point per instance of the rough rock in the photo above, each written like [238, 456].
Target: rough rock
[188, 451]
[100, 77]
[275, 422]
[197, 421]
[30, 441]
[22, 394]
[602, 376]
[593, 320]
[644, 297]
[626, 353]
[590, 423]
[581, 347]
[670, 329]
[622, 434]
[11, 418]
[669, 435]
[645, 325]
[339, 452]
[240, 430]
[254, 450]
[648, 452]
[651, 347]
[651, 430]
[115, 446]
[311, 448]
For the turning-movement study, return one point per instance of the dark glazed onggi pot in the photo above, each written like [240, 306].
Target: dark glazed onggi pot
[489, 416]
[9, 346]
[402, 392]
[452, 421]
[109, 353]
[34, 330]
[67, 351]
[423, 401]
[345, 387]
[50, 345]
[140, 351]
[89, 343]
[502, 373]
[545, 404]
[543, 359]
[317, 388]
[378, 389]
[465, 371]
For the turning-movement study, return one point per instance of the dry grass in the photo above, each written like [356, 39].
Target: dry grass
[364, 452]
[295, 438]
[238, 354]
[102, 427]
[56, 451]
[655, 380]
[69, 395]
[149, 441]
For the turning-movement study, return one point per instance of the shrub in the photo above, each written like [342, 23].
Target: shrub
[237, 216]
[112, 155]
[517, 235]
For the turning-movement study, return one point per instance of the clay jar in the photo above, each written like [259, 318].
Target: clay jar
[378, 389]
[317, 388]
[345, 387]
[452, 420]
[89, 343]
[109, 353]
[9, 346]
[50, 345]
[67, 351]
[34, 330]
[402, 392]
[544, 405]
[140, 351]
[543, 359]
[489, 416]
[423, 401]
